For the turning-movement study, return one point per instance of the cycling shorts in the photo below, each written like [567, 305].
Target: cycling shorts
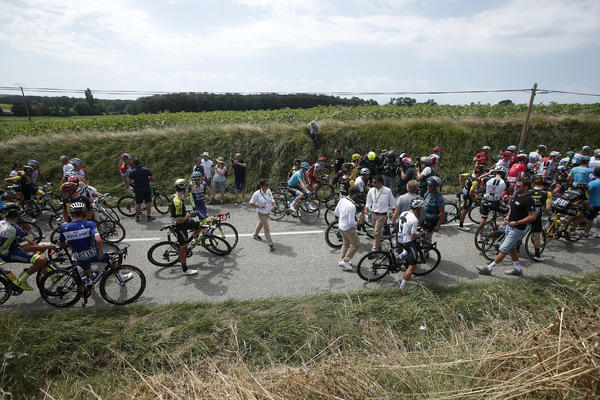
[19, 255]
[411, 249]
[487, 206]
[200, 208]
[181, 231]
[143, 197]
[468, 203]
[591, 214]
[295, 190]
[536, 226]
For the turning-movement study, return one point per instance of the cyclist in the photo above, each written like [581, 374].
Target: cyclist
[297, 186]
[389, 171]
[79, 170]
[356, 161]
[37, 174]
[536, 156]
[15, 170]
[361, 183]
[73, 195]
[197, 189]
[316, 173]
[517, 170]
[469, 183]
[594, 201]
[434, 207]
[182, 223]
[595, 161]
[407, 234]
[140, 177]
[67, 166]
[541, 200]
[585, 150]
[15, 248]
[426, 171]
[295, 167]
[346, 181]
[505, 161]
[481, 159]
[370, 161]
[548, 167]
[406, 174]
[495, 187]
[567, 159]
[583, 173]
[337, 164]
[125, 168]
[521, 213]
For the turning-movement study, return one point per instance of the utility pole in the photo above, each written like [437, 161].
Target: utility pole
[24, 101]
[526, 125]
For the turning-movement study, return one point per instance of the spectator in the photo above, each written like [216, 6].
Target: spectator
[239, 171]
[125, 167]
[403, 202]
[67, 166]
[220, 179]
[139, 177]
[208, 167]
[198, 166]
[434, 207]
[346, 213]
[15, 169]
[336, 165]
[389, 170]
[406, 173]
[379, 201]
[263, 201]
[314, 132]
[407, 234]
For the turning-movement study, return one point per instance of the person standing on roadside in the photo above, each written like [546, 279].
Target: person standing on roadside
[521, 213]
[220, 179]
[389, 170]
[346, 213]
[263, 201]
[208, 167]
[379, 201]
[239, 171]
[314, 132]
[125, 166]
[139, 177]
[198, 166]
[403, 202]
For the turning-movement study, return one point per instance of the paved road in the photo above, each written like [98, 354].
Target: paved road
[302, 264]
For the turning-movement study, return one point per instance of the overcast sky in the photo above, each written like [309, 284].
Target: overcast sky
[305, 46]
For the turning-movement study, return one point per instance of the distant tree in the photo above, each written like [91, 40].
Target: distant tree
[18, 109]
[505, 103]
[431, 102]
[403, 101]
[82, 108]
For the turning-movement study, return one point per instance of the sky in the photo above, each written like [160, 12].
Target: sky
[306, 46]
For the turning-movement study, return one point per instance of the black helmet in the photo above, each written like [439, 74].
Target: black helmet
[11, 210]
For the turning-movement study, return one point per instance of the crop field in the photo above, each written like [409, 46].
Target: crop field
[15, 126]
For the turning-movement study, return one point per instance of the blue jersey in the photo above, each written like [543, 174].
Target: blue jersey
[80, 237]
[594, 196]
[197, 192]
[581, 174]
[296, 178]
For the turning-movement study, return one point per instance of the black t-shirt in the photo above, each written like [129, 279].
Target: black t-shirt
[520, 209]
[238, 170]
[337, 164]
[141, 179]
[198, 168]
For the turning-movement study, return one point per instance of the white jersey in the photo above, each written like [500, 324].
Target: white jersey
[408, 226]
[494, 189]
[360, 184]
[534, 157]
[595, 162]
[503, 163]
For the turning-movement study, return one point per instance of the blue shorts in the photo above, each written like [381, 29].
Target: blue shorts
[200, 209]
[240, 184]
[19, 255]
[511, 239]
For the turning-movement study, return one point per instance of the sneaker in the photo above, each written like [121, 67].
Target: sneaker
[191, 272]
[539, 259]
[137, 218]
[346, 266]
[125, 277]
[341, 262]
[236, 204]
[293, 208]
[24, 285]
[256, 237]
[221, 202]
[514, 272]
[150, 218]
[597, 235]
[464, 228]
[271, 247]
[483, 270]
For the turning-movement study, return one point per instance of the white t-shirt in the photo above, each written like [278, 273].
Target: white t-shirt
[67, 167]
[360, 184]
[494, 189]
[265, 199]
[346, 212]
[427, 171]
[594, 162]
[207, 165]
[408, 226]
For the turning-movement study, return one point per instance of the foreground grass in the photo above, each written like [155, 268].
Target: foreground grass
[534, 338]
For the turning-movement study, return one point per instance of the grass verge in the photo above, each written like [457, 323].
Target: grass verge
[535, 338]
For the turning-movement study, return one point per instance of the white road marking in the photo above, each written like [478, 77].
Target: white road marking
[153, 239]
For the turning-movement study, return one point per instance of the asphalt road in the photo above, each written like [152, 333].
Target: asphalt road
[302, 263]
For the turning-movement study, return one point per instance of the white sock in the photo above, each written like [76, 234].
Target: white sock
[517, 265]
[403, 284]
[492, 265]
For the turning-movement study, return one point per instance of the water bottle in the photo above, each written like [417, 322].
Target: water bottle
[12, 276]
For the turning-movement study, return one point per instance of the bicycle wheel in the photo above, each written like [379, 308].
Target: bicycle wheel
[333, 236]
[33, 209]
[483, 231]
[59, 288]
[308, 211]
[325, 194]
[575, 235]
[429, 259]
[34, 232]
[491, 245]
[374, 265]
[530, 245]
[215, 245]
[111, 231]
[164, 254]
[329, 214]
[278, 211]
[118, 287]
[475, 214]
[5, 289]
[161, 203]
[452, 212]
[126, 206]
[228, 232]
[54, 236]
[112, 213]
[55, 220]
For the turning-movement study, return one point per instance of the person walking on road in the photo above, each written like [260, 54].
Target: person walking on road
[346, 213]
[239, 171]
[263, 201]
[380, 200]
[139, 177]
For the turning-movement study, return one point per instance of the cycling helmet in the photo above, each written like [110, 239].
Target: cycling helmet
[512, 148]
[322, 159]
[403, 155]
[425, 160]
[417, 202]
[347, 167]
[507, 153]
[318, 167]
[586, 148]
[197, 175]
[33, 163]
[77, 207]
[69, 187]
[484, 148]
[521, 157]
[581, 159]
[27, 168]
[11, 210]
[437, 148]
[391, 153]
[523, 151]
[554, 154]
[407, 161]
[542, 147]
[364, 171]
[73, 178]
[501, 170]
[304, 165]
[434, 180]
[597, 152]
[76, 161]
[371, 155]
[125, 156]
[570, 153]
[384, 152]
[63, 158]
[355, 157]
[180, 184]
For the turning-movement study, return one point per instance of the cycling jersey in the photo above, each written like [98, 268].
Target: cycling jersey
[68, 200]
[534, 158]
[541, 198]
[345, 184]
[550, 168]
[494, 188]
[80, 237]
[296, 178]
[125, 169]
[482, 159]
[177, 208]
[433, 203]
[594, 162]
[11, 240]
[313, 173]
[581, 174]
[360, 184]
[504, 162]
[197, 192]
[515, 171]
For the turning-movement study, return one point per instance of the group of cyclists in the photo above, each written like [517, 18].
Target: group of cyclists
[551, 182]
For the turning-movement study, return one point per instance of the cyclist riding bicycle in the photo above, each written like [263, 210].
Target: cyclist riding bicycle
[182, 223]
[16, 248]
[73, 195]
[356, 161]
[481, 159]
[197, 189]
[297, 186]
[346, 181]
[316, 172]
[517, 170]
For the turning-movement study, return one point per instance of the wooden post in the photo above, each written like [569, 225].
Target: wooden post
[25, 102]
[526, 125]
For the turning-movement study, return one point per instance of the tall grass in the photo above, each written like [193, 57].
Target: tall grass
[536, 338]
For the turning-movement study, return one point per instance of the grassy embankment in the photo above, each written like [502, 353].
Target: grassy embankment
[270, 148]
[534, 338]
